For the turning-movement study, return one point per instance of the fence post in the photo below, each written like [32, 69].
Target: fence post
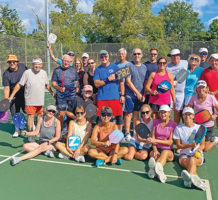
[61, 50]
[25, 51]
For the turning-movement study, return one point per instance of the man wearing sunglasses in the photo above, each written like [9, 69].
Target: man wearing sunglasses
[110, 91]
[34, 80]
[85, 59]
[203, 53]
[10, 78]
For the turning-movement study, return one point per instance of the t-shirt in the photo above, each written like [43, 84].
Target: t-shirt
[211, 76]
[11, 78]
[204, 65]
[186, 135]
[110, 91]
[174, 69]
[67, 78]
[34, 84]
[163, 133]
[151, 67]
[121, 65]
[138, 75]
[59, 62]
[191, 80]
[209, 103]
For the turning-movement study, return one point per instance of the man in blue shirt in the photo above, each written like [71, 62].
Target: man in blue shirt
[110, 91]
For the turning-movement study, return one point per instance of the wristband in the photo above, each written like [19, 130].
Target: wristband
[122, 95]
[106, 81]
[115, 153]
[48, 142]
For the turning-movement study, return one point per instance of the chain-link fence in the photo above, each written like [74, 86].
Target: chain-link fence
[27, 49]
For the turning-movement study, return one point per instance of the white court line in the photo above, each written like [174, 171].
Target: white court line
[9, 157]
[208, 191]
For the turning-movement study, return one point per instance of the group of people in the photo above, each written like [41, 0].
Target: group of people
[78, 83]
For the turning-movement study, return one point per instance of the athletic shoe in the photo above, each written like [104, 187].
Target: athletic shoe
[31, 139]
[15, 160]
[119, 161]
[49, 153]
[151, 165]
[197, 182]
[186, 178]
[216, 140]
[99, 163]
[16, 134]
[80, 159]
[127, 138]
[62, 156]
[160, 172]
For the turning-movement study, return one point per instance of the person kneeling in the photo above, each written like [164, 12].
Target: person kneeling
[105, 152]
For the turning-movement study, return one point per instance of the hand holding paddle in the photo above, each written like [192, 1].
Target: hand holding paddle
[114, 137]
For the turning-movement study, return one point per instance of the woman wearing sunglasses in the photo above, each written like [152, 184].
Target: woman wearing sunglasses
[49, 130]
[162, 144]
[193, 77]
[88, 77]
[138, 148]
[78, 65]
[104, 151]
[78, 127]
[157, 99]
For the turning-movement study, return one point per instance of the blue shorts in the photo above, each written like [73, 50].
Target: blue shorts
[132, 104]
[63, 104]
[138, 146]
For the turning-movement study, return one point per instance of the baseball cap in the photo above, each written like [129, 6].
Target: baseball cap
[37, 60]
[106, 110]
[214, 55]
[51, 107]
[12, 58]
[85, 55]
[188, 110]
[70, 53]
[201, 83]
[87, 88]
[103, 52]
[174, 52]
[203, 49]
[165, 108]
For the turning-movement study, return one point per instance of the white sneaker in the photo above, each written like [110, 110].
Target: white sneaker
[151, 165]
[62, 156]
[80, 159]
[160, 172]
[216, 140]
[16, 134]
[186, 178]
[15, 160]
[197, 182]
[49, 153]
[127, 138]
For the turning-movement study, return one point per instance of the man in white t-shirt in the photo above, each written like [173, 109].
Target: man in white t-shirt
[34, 80]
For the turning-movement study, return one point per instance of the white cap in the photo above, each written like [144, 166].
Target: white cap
[37, 60]
[201, 83]
[165, 108]
[85, 55]
[214, 55]
[174, 52]
[51, 107]
[203, 50]
[188, 110]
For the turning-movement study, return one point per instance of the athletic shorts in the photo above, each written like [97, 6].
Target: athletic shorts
[182, 156]
[179, 101]
[132, 104]
[39, 142]
[31, 110]
[115, 106]
[106, 150]
[138, 145]
[63, 104]
[209, 134]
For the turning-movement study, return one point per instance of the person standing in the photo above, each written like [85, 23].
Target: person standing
[122, 53]
[10, 78]
[203, 53]
[85, 58]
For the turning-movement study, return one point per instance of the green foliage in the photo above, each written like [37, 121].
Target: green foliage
[213, 30]
[10, 23]
[181, 22]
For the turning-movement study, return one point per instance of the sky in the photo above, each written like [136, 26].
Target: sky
[207, 9]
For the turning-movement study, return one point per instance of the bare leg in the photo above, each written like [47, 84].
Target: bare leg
[97, 155]
[177, 116]
[62, 148]
[61, 117]
[141, 155]
[209, 146]
[130, 155]
[191, 164]
[30, 120]
[166, 155]
[135, 118]
[127, 122]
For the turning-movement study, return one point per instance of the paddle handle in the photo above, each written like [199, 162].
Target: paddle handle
[195, 149]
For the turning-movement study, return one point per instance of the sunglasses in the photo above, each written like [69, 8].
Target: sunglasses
[103, 57]
[162, 63]
[203, 54]
[11, 62]
[51, 111]
[106, 114]
[153, 54]
[91, 63]
[81, 113]
[146, 112]
[70, 54]
[137, 54]
[88, 92]
[192, 58]
[78, 63]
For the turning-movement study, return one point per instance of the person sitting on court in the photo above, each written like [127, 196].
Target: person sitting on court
[104, 151]
[157, 99]
[162, 143]
[184, 135]
[79, 127]
[138, 147]
[204, 101]
[49, 130]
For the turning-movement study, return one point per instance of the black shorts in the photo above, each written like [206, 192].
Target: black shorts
[209, 134]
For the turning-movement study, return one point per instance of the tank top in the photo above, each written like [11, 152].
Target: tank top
[91, 82]
[47, 133]
[160, 99]
[80, 130]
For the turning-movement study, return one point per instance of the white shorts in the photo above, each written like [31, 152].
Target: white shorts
[179, 101]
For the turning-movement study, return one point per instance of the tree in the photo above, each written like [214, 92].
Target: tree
[181, 22]
[10, 22]
[213, 30]
[124, 21]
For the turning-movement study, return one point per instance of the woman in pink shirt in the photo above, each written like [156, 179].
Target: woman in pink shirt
[156, 99]
[162, 143]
